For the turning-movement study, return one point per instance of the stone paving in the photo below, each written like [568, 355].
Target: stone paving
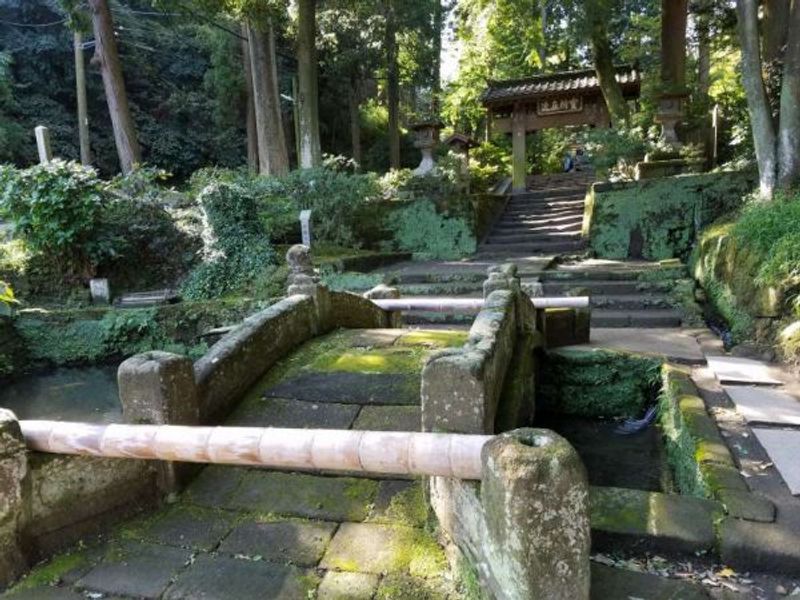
[241, 533]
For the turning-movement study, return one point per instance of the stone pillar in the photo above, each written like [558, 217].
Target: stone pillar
[519, 159]
[158, 388]
[13, 469]
[301, 271]
[43, 144]
[535, 497]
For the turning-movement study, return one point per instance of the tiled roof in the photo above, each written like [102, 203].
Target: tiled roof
[511, 90]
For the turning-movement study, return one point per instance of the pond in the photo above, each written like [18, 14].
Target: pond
[636, 461]
[66, 394]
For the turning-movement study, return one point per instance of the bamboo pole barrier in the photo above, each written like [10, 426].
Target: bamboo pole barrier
[471, 305]
[379, 452]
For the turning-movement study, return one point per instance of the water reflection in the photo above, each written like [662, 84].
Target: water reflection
[75, 394]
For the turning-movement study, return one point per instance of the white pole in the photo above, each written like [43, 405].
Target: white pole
[379, 452]
[470, 305]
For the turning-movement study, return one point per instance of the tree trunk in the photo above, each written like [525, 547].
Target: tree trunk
[541, 47]
[775, 28]
[250, 107]
[436, 75]
[606, 74]
[80, 92]
[789, 128]
[114, 86]
[392, 85]
[760, 117]
[308, 98]
[272, 156]
[673, 44]
[703, 57]
[355, 121]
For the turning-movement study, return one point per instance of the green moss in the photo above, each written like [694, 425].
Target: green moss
[434, 338]
[616, 509]
[409, 508]
[397, 587]
[596, 382]
[468, 584]
[52, 571]
[361, 360]
[663, 213]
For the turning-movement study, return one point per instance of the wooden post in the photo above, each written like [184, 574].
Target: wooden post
[80, 92]
[43, 144]
[519, 162]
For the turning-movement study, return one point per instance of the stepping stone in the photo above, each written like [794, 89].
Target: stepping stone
[225, 578]
[733, 369]
[763, 405]
[377, 549]
[608, 582]
[195, 528]
[279, 412]
[138, 570]
[389, 418]
[347, 586]
[296, 542]
[783, 447]
[310, 496]
[350, 388]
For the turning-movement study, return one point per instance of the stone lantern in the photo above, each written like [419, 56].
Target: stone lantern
[426, 138]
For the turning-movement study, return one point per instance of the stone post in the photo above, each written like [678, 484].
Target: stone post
[13, 469]
[301, 271]
[385, 292]
[43, 144]
[535, 497]
[158, 388]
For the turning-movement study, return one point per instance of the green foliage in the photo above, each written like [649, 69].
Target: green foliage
[55, 208]
[236, 249]
[7, 299]
[420, 229]
[772, 231]
[349, 281]
[488, 164]
[615, 149]
[11, 132]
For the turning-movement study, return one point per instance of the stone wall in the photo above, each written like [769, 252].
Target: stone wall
[660, 218]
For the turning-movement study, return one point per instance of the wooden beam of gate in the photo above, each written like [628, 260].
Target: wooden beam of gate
[378, 452]
[472, 305]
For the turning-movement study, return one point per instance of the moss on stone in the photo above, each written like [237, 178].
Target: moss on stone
[409, 507]
[51, 572]
[362, 360]
[396, 587]
[597, 382]
[434, 338]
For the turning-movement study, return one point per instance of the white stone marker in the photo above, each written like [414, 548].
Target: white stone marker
[783, 447]
[763, 405]
[742, 370]
[43, 144]
[305, 227]
[100, 291]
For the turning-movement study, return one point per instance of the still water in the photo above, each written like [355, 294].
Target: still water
[67, 394]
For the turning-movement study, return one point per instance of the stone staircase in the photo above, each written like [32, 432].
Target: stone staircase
[546, 219]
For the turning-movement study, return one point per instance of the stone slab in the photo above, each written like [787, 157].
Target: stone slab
[45, 593]
[733, 369]
[608, 583]
[676, 345]
[309, 496]
[370, 548]
[279, 412]
[783, 447]
[350, 388]
[347, 586]
[225, 578]
[186, 528]
[138, 570]
[375, 338]
[747, 545]
[765, 405]
[651, 520]
[215, 485]
[396, 586]
[300, 543]
[389, 418]
[747, 505]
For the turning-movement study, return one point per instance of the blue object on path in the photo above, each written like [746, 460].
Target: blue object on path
[631, 426]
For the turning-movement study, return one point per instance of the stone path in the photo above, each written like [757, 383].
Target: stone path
[242, 533]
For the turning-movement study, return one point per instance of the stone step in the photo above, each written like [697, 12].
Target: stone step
[533, 248]
[629, 302]
[533, 237]
[534, 230]
[602, 287]
[450, 289]
[546, 213]
[545, 201]
[438, 277]
[608, 274]
[516, 207]
[656, 317]
[552, 192]
[571, 220]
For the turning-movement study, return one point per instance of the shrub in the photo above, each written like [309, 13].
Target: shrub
[615, 149]
[236, 250]
[56, 208]
[420, 229]
[7, 299]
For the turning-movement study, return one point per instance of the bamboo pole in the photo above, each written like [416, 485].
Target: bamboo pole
[472, 305]
[379, 452]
